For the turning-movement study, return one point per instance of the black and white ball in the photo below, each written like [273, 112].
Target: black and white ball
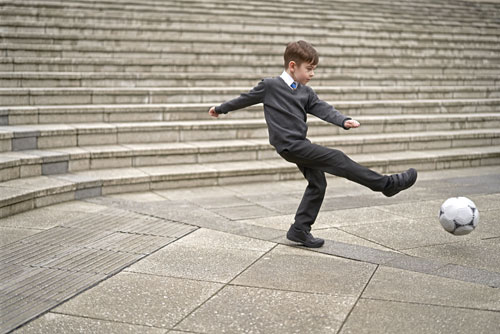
[459, 215]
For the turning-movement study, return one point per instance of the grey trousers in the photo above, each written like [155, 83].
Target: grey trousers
[313, 161]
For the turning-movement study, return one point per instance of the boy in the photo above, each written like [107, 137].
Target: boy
[287, 100]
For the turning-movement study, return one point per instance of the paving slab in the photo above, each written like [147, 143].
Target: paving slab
[342, 236]
[191, 193]
[217, 202]
[408, 233]
[204, 255]
[486, 201]
[11, 234]
[278, 222]
[360, 216]
[43, 218]
[238, 309]
[243, 212]
[393, 284]
[304, 271]
[489, 222]
[414, 209]
[380, 316]
[141, 299]
[141, 197]
[62, 323]
[482, 254]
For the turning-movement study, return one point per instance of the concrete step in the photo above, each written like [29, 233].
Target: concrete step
[28, 137]
[31, 163]
[449, 8]
[151, 95]
[28, 193]
[349, 41]
[384, 8]
[131, 65]
[26, 115]
[169, 41]
[179, 79]
[341, 55]
[371, 16]
[228, 62]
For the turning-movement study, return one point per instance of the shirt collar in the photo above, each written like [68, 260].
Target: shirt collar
[287, 78]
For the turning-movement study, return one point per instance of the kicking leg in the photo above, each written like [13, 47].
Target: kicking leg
[337, 163]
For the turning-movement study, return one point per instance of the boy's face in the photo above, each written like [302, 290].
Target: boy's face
[302, 73]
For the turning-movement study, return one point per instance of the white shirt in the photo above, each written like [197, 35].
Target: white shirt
[288, 79]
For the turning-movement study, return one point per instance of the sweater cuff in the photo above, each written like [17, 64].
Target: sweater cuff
[218, 110]
[343, 123]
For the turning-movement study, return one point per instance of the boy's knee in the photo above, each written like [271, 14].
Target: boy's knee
[319, 185]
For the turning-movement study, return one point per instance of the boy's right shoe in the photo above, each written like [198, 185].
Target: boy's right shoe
[400, 182]
[304, 237]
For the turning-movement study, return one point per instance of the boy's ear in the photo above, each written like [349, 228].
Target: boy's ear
[292, 66]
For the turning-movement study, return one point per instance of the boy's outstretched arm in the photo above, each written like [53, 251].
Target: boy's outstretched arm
[328, 113]
[254, 96]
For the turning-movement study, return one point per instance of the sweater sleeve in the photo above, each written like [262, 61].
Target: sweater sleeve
[254, 96]
[325, 111]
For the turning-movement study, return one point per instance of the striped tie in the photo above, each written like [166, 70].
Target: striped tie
[293, 85]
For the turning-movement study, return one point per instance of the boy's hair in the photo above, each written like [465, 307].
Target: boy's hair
[300, 52]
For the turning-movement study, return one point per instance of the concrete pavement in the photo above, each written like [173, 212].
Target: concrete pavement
[215, 260]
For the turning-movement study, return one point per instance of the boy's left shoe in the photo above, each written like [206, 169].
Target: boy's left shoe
[400, 182]
[304, 237]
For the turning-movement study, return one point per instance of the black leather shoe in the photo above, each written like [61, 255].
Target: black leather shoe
[400, 182]
[304, 237]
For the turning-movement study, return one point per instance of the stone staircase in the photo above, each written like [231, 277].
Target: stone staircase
[112, 96]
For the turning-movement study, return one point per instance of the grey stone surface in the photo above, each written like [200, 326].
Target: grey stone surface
[26, 143]
[380, 316]
[62, 323]
[88, 193]
[44, 218]
[142, 197]
[76, 206]
[469, 274]
[240, 263]
[487, 201]
[278, 222]
[355, 252]
[489, 222]
[243, 212]
[337, 235]
[204, 255]
[359, 216]
[238, 309]
[481, 254]
[294, 269]
[9, 235]
[407, 286]
[408, 233]
[219, 202]
[415, 264]
[55, 168]
[141, 299]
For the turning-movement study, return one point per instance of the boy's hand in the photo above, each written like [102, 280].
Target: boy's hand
[351, 124]
[212, 112]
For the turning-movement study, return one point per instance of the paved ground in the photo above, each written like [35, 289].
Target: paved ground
[215, 260]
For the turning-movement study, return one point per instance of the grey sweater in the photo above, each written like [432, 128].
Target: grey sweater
[285, 110]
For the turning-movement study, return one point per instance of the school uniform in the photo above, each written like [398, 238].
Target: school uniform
[286, 105]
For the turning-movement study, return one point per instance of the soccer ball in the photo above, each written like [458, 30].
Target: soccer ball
[459, 215]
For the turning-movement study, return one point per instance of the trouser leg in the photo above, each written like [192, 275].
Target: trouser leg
[336, 163]
[313, 198]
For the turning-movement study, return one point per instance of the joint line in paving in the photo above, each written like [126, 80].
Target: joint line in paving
[357, 299]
